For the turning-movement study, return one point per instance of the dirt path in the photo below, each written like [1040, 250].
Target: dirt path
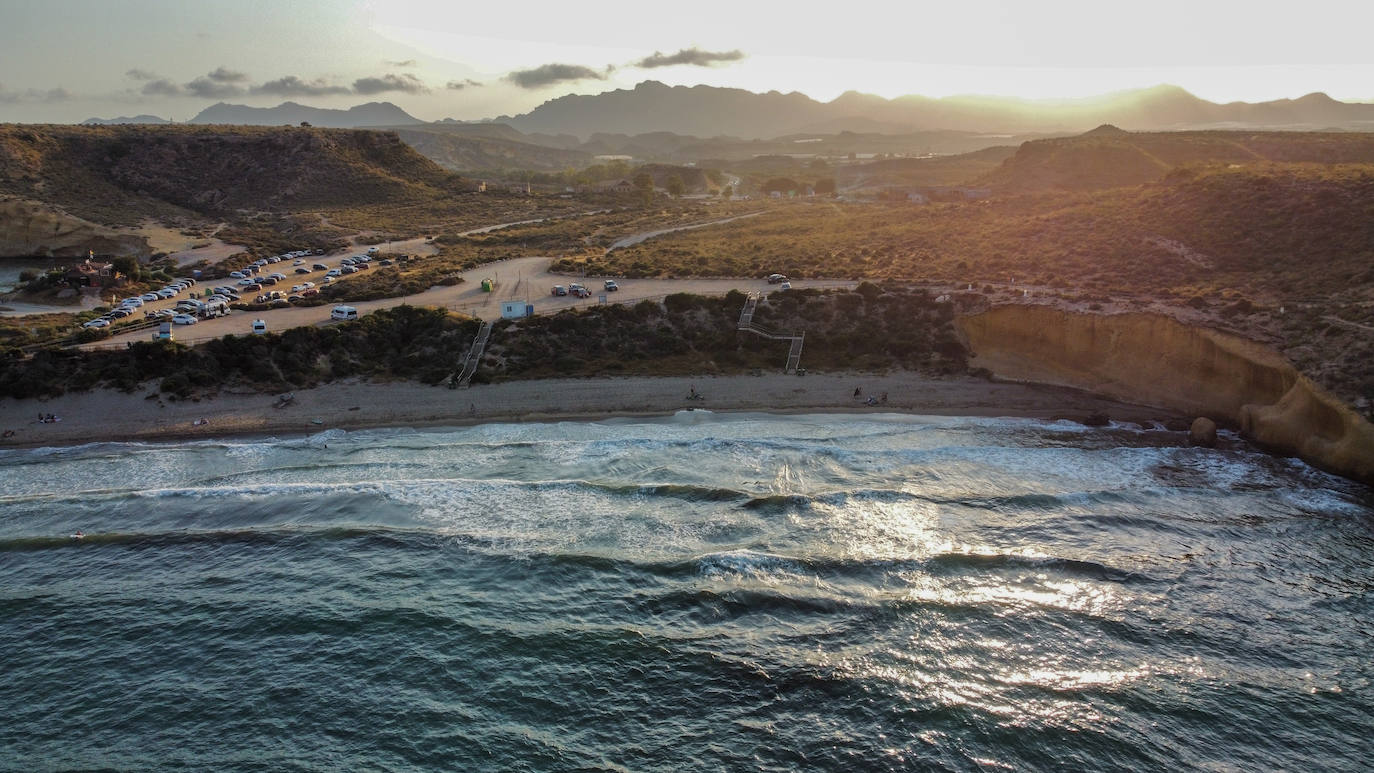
[630, 241]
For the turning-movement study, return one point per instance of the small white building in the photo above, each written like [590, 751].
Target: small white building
[516, 309]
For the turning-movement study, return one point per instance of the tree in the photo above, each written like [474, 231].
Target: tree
[781, 185]
[127, 265]
[644, 185]
[676, 187]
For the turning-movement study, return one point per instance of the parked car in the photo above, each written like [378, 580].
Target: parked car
[302, 270]
[334, 272]
[559, 290]
[166, 292]
[274, 259]
[384, 262]
[343, 312]
[320, 267]
[611, 286]
[95, 324]
[237, 274]
[580, 292]
[252, 288]
[348, 270]
[774, 279]
[259, 327]
[319, 251]
[134, 302]
[184, 319]
[277, 275]
[360, 265]
[310, 292]
[149, 296]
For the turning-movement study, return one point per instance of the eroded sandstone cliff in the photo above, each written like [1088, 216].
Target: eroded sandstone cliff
[1155, 360]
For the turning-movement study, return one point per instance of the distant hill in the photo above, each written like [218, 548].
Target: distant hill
[149, 119]
[292, 114]
[118, 175]
[473, 148]
[709, 111]
[936, 171]
[1108, 157]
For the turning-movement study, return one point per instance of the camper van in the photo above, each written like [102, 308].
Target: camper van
[259, 327]
[343, 312]
[164, 332]
[213, 308]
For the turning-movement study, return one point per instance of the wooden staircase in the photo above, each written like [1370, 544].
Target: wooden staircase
[463, 376]
[746, 323]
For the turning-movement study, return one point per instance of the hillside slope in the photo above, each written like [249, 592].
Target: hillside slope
[1108, 157]
[463, 151]
[120, 175]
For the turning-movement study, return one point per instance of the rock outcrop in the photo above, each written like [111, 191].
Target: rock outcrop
[1155, 360]
[29, 228]
[1202, 432]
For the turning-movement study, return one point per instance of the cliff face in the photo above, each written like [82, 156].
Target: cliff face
[1155, 360]
[28, 228]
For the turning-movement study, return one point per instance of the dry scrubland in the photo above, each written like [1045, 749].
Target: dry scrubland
[1232, 244]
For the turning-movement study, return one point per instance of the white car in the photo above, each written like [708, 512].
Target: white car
[150, 296]
[277, 276]
[132, 303]
[236, 274]
[246, 282]
[274, 259]
[183, 319]
[333, 272]
[167, 292]
[97, 323]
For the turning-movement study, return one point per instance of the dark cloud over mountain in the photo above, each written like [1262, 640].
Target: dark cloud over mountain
[549, 74]
[294, 86]
[405, 82]
[693, 56]
[223, 74]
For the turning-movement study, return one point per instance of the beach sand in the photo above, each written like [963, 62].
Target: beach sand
[144, 415]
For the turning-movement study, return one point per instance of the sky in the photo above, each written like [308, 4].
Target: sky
[64, 61]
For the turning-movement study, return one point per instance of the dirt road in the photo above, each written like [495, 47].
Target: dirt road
[524, 279]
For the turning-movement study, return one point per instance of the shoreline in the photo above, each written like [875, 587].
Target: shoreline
[143, 415]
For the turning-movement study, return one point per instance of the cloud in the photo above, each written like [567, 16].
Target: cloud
[293, 86]
[405, 63]
[206, 86]
[462, 84]
[224, 75]
[161, 88]
[141, 75]
[693, 56]
[58, 94]
[405, 82]
[549, 74]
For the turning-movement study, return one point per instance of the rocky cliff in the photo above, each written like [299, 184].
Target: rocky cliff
[29, 228]
[1156, 360]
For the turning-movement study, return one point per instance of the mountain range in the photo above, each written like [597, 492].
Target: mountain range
[710, 111]
[291, 113]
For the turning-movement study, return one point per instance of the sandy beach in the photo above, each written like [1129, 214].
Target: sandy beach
[144, 415]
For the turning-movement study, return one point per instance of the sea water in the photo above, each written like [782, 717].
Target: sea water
[691, 593]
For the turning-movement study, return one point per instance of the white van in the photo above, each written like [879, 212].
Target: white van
[343, 312]
[259, 327]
